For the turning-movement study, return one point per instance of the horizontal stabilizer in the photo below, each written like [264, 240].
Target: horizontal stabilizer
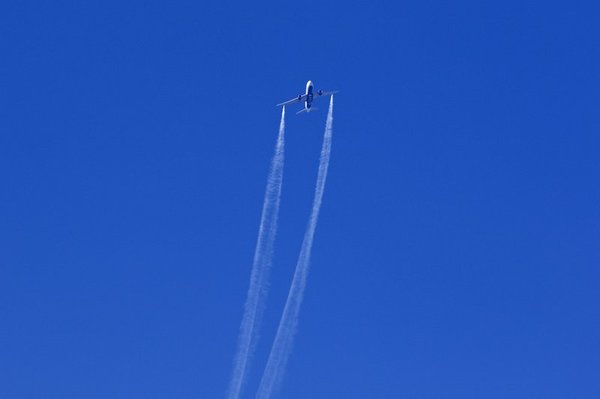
[307, 110]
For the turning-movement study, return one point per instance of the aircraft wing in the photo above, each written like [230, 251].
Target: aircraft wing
[301, 98]
[325, 93]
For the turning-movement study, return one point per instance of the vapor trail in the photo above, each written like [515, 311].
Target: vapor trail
[282, 345]
[261, 265]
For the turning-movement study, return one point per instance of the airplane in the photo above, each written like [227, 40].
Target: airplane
[308, 97]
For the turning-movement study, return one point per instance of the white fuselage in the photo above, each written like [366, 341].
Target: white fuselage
[309, 96]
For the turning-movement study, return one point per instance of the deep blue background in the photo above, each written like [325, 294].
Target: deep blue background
[458, 250]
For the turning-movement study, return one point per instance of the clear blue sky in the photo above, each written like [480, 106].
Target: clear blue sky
[458, 250]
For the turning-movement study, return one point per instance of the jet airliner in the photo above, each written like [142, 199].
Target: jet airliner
[308, 97]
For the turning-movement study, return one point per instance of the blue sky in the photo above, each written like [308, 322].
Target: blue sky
[457, 251]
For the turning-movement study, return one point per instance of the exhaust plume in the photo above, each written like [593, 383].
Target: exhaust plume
[282, 345]
[261, 266]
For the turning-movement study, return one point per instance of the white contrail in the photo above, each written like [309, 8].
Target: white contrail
[261, 265]
[289, 320]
